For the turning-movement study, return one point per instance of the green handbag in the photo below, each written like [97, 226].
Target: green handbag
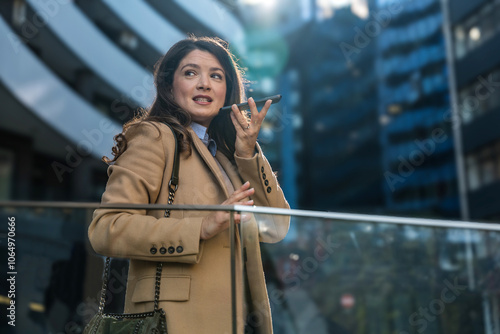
[153, 322]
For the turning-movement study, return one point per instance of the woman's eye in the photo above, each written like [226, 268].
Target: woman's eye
[189, 73]
[217, 76]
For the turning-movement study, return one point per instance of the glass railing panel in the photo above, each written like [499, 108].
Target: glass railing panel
[52, 274]
[331, 275]
[326, 274]
[54, 277]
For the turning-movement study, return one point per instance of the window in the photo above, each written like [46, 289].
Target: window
[483, 166]
[487, 25]
[487, 166]
[476, 29]
[472, 173]
[466, 109]
[476, 99]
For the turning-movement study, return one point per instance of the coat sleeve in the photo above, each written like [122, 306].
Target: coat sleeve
[136, 177]
[257, 170]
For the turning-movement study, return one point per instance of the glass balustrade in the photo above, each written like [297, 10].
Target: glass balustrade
[329, 273]
[345, 273]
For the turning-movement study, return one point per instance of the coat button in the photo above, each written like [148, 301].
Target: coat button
[266, 182]
[179, 249]
[264, 176]
[262, 169]
[163, 250]
[171, 250]
[153, 250]
[269, 189]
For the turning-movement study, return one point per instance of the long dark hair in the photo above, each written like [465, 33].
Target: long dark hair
[165, 109]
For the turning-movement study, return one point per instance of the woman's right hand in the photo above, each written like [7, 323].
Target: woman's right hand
[218, 221]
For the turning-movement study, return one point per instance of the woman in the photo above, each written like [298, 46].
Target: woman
[220, 163]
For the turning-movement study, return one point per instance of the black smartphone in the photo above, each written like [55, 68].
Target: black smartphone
[259, 103]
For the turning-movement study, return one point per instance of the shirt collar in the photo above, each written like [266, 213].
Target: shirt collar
[202, 133]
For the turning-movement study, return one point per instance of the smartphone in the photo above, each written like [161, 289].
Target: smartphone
[259, 103]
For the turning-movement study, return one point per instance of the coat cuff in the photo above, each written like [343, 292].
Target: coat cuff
[184, 246]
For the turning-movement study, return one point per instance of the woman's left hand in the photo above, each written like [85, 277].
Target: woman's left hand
[247, 133]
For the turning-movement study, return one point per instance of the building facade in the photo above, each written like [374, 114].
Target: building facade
[340, 127]
[418, 149]
[474, 37]
[475, 34]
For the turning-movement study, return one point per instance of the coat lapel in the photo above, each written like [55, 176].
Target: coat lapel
[230, 170]
[209, 160]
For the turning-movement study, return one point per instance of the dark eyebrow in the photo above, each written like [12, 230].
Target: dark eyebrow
[197, 66]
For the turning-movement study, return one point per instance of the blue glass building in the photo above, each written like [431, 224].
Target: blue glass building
[340, 162]
[414, 108]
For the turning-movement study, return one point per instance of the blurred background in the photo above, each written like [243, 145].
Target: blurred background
[389, 106]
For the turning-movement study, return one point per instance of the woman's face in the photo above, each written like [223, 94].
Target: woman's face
[199, 86]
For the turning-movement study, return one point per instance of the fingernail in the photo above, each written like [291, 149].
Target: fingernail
[247, 183]
[245, 217]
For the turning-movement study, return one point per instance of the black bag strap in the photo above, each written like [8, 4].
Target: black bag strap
[105, 280]
[173, 184]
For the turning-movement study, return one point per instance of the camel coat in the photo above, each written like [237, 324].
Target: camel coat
[195, 287]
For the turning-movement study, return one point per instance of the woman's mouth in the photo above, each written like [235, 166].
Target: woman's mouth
[202, 99]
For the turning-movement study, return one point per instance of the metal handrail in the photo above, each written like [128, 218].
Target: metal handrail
[265, 210]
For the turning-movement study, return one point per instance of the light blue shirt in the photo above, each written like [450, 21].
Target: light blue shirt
[201, 132]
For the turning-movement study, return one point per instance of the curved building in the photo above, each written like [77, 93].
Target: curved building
[72, 72]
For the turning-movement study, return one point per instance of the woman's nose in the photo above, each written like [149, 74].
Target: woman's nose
[204, 83]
